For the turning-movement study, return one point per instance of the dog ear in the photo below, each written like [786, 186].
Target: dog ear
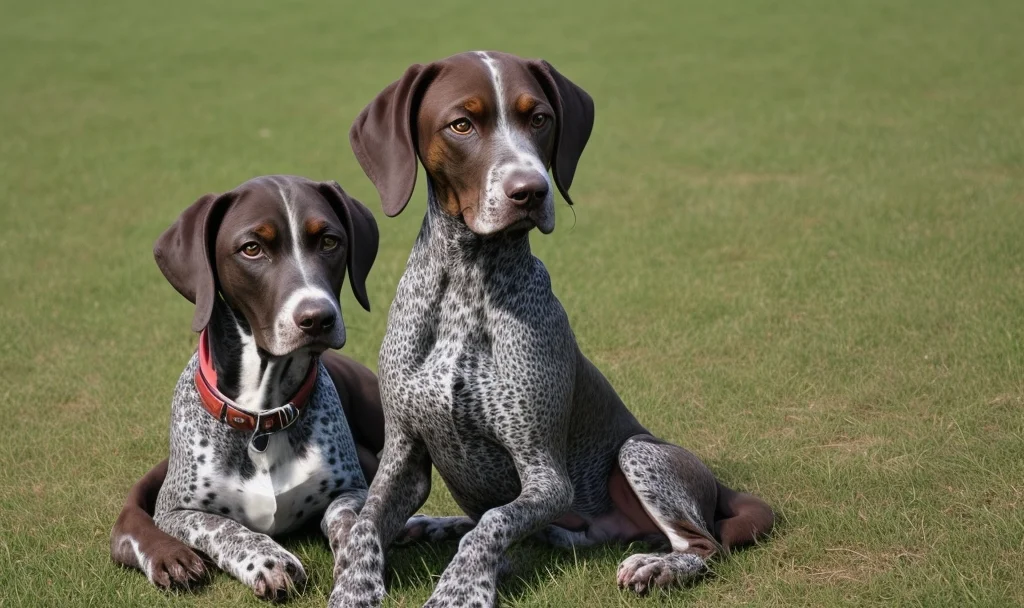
[184, 253]
[383, 138]
[575, 115]
[362, 236]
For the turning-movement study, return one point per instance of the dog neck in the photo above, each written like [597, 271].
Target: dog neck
[247, 374]
[447, 241]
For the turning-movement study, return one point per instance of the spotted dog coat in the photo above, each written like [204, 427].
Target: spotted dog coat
[480, 372]
[226, 500]
[264, 264]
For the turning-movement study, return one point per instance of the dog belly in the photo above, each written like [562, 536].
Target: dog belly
[479, 473]
[626, 521]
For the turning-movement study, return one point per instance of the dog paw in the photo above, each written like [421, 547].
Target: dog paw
[175, 566]
[275, 576]
[434, 529]
[167, 563]
[416, 529]
[643, 572]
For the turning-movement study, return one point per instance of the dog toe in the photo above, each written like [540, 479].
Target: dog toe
[646, 571]
[176, 567]
[278, 577]
[414, 529]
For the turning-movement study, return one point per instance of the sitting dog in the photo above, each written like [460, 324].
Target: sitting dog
[259, 438]
[480, 372]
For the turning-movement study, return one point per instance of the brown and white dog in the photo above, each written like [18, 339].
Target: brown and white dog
[269, 428]
[480, 373]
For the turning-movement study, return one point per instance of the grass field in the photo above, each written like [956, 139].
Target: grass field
[797, 249]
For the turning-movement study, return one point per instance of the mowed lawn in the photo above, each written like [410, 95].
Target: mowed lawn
[797, 249]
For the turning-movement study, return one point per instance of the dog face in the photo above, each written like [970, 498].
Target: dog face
[486, 137]
[275, 250]
[486, 126]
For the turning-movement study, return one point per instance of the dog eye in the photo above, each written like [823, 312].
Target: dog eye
[538, 120]
[252, 249]
[328, 243]
[461, 126]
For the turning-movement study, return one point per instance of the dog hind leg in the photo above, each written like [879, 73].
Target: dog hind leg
[679, 494]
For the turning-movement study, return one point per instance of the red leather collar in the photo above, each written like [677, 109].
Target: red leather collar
[262, 424]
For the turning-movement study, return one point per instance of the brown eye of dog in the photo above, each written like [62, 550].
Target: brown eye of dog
[252, 250]
[538, 120]
[329, 243]
[461, 126]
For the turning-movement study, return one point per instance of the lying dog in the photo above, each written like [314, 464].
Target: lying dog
[259, 438]
[480, 372]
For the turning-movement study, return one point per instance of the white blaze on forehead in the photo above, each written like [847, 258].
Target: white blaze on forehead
[522, 153]
[499, 91]
[294, 229]
[285, 330]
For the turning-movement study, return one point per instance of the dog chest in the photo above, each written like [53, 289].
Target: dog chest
[456, 404]
[286, 489]
[214, 469]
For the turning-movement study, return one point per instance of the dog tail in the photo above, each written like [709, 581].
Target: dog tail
[741, 519]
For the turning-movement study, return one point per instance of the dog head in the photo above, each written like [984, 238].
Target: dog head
[274, 249]
[487, 127]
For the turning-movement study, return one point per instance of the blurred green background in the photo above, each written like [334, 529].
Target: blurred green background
[796, 249]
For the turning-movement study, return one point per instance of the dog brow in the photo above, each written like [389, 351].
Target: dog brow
[314, 227]
[266, 232]
[525, 103]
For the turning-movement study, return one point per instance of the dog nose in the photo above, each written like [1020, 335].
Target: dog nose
[315, 317]
[526, 188]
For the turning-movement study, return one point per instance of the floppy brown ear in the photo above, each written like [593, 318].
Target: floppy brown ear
[383, 139]
[575, 111]
[184, 253]
[362, 236]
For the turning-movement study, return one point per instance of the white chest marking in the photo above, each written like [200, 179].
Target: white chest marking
[285, 490]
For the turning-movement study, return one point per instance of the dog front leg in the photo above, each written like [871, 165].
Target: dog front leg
[136, 542]
[338, 520]
[399, 489]
[472, 576]
[253, 558]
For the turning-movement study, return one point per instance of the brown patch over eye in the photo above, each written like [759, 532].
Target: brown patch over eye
[265, 232]
[474, 105]
[525, 103]
[315, 227]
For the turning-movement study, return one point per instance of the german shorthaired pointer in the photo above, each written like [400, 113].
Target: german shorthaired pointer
[259, 437]
[480, 372]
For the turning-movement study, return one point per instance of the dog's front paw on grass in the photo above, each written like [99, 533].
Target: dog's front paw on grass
[276, 577]
[174, 566]
[643, 572]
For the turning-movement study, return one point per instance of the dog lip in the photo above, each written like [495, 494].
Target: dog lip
[526, 222]
[318, 346]
[315, 347]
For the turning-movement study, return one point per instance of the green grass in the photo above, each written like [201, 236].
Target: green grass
[797, 250]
